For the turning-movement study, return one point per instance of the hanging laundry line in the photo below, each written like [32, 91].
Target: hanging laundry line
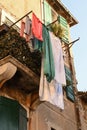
[71, 44]
[21, 18]
[52, 22]
[24, 17]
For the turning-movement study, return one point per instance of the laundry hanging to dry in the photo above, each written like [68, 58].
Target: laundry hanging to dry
[37, 27]
[25, 29]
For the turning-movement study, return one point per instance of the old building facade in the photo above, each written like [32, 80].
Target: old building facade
[82, 96]
[20, 71]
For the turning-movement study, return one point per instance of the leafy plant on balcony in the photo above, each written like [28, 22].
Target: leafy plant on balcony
[58, 30]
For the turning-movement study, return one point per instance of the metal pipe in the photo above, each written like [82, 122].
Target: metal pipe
[21, 18]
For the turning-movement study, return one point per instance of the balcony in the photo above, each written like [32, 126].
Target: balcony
[19, 67]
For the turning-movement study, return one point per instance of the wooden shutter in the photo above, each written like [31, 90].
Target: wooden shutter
[69, 86]
[47, 13]
[63, 23]
[68, 75]
[70, 93]
[22, 119]
[8, 114]
[12, 115]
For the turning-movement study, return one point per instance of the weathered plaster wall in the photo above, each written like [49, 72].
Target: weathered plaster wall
[48, 116]
[83, 114]
[18, 8]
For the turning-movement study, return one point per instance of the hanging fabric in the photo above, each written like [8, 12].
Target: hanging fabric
[49, 68]
[46, 48]
[28, 25]
[58, 59]
[51, 92]
[25, 29]
[36, 27]
[37, 44]
[22, 28]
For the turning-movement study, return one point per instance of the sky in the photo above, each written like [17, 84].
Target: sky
[79, 10]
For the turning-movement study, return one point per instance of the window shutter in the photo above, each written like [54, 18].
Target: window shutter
[69, 87]
[68, 75]
[48, 13]
[12, 115]
[63, 23]
[22, 119]
[8, 114]
[70, 93]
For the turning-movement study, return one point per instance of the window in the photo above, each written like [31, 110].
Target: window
[52, 128]
[64, 25]
[9, 20]
[69, 86]
[68, 76]
[12, 115]
[49, 13]
[9, 23]
[70, 93]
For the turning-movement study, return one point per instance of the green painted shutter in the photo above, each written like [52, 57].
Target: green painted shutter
[68, 75]
[22, 119]
[69, 87]
[47, 13]
[63, 23]
[10, 115]
[70, 93]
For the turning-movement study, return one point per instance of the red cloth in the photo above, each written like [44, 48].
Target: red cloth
[22, 28]
[36, 27]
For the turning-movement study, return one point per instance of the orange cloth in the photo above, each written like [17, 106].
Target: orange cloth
[37, 27]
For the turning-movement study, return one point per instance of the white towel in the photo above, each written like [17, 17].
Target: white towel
[51, 92]
[58, 59]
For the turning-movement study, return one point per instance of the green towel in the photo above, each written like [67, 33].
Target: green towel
[49, 69]
[45, 48]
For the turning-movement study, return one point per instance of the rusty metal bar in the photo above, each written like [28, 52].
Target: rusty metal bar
[21, 18]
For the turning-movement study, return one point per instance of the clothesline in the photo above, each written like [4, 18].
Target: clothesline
[24, 17]
[52, 22]
[21, 18]
[51, 70]
[70, 44]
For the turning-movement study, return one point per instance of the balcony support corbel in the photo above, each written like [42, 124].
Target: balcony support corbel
[7, 71]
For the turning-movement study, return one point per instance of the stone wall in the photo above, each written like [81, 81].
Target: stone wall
[49, 117]
[83, 114]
